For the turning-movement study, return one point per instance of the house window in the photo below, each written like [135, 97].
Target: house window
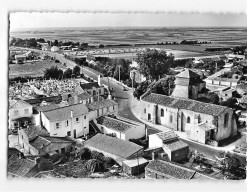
[67, 123]
[85, 117]
[26, 111]
[77, 120]
[171, 118]
[226, 119]
[149, 116]
[16, 112]
[107, 109]
[162, 112]
[188, 119]
[69, 133]
[57, 125]
[113, 107]
[145, 110]
[99, 91]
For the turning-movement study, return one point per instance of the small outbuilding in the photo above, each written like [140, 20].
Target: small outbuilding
[134, 166]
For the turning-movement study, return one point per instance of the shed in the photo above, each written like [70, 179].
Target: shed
[134, 166]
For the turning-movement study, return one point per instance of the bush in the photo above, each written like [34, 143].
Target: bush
[85, 154]
[94, 165]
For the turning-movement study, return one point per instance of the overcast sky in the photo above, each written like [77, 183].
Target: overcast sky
[40, 20]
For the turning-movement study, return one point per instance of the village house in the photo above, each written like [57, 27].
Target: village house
[118, 149]
[20, 166]
[188, 84]
[75, 98]
[184, 114]
[102, 108]
[36, 142]
[216, 80]
[120, 127]
[93, 88]
[20, 113]
[72, 121]
[134, 166]
[157, 169]
[241, 88]
[176, 149]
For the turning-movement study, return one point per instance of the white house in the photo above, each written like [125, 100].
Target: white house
[54, 49]
[102, 108]
[92, 88]
[172, 146]
[72, 121]
[120, 127]
[20, 113]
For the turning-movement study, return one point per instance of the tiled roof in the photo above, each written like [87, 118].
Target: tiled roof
[43, 141]
[16, 104]
[84, 96]
[113, 123]
[21, 167]
[112, 145]
[205, 126]
[89, 85]
[64, 113]
[101, 104]
[13, 155]
[175, 145]
[188, 74]
[40, 142]
[47, 107]
[152, 130]
[171, 169]
[167, 136]
[60, 139]
[186, 104]
[33, 132]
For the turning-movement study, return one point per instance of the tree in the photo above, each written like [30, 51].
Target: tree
[77, 70]
[53, 73]
[124, 69]
[55, 43]
[154, 64]
[164, 86]
[231, 102]
[67, 73]
[215, 98]
[141, 89]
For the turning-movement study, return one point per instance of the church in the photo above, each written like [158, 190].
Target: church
[202, 122]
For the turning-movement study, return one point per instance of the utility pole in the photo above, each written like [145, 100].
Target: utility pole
[119, 72]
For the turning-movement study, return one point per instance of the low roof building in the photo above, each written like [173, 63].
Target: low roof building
[101, 104]
[115, 148]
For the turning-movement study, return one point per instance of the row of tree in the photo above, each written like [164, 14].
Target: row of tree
[55, 73]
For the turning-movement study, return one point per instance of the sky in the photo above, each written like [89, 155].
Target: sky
[48, 20]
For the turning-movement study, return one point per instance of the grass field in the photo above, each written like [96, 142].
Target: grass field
[32, 69]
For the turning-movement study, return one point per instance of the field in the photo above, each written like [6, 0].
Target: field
[226, 36]
[32, 69]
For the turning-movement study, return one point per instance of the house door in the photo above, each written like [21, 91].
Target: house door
[149, 116]
[74, 133]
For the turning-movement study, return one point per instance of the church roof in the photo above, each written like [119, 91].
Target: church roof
[188, 74]
[186, 104]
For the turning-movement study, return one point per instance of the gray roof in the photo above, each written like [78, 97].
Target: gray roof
[188, 74]
[33, 132]
[113, 123]
[101, 104]
[112, 145]
[21, 167]
[171, 169]
[90, 85]
[64, 113]
[47, 107]
[16, 104]
[175, 145]
[84, 96]
[167, 136]
[186, 104]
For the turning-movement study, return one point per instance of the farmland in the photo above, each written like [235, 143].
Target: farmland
[33, 69]
[231, 36]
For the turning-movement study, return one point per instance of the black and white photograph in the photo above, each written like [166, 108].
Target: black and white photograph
[124, 95]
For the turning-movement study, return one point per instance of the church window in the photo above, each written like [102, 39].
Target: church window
[162, 112]
[226, 119]
[145, 110]
[188, 119]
